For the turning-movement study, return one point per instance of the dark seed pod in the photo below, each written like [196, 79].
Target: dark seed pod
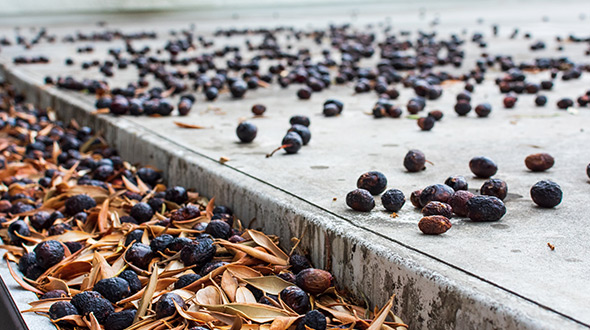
[92, 302]
[414, 161]
[60, 309]
[436, 192]
[199, 253]
[438, 208]
[49, 253]
[113, 289]
[546, 194]
[483, 167]
[457, 182]
[296, 299]
[539, 162]
[485, 208]
[185, 280]
[139, 255]
[165, 305]
[375, 182]
[120, 320]
[494, 187]
[360, 200]
[132, 279]
[415, 198]
[314, 281]
[459, 202]
[393, 200]
[312, 320]
[434, 225]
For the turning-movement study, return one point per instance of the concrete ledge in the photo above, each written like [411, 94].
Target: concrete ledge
[431, 294]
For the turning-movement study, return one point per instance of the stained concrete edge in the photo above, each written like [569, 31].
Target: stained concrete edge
[430, 293]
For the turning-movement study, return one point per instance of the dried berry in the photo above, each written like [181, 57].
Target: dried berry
[218, 229]
[186, 213]
[292, 142]
[462, 108]
[565, 103]
[436, 114]
[414, 161]
[49, 253]
[360, 200]
[301, 120]
[199, 253]
[457, 182]
[303, 132]
[304, 93]
[298, 263]
[494, 187]
[139, 255]
[375, 182]
[312, 320]
[339, 105]
[314, 281]
[459, 201]
[41, 220]
[178, 243]
[211, 266]
[176, 195]
[540, 100]
[437, 208]
[296, 299]
[74, 246]
[434, 225]
[509, 101]
[393, 200]
[113, 289]
[149, 175]
[258, 109]
[132, 279]
[134, 236]
[539, 162]
[142, 212]
[160, 243]
[415, 198]
[483, 167]
[185, 280]
[436, 192]
[27, 260]
[79, 203]
[483, 110]
[60, 309]
[92, 302]
[54, 294]
[426, 123]
[18, 227]
[120, 320]
[485, 208]
[546, 193]
[165, 305]
[246, 132]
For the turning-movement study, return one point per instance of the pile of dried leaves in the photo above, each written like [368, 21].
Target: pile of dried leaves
[184, 263]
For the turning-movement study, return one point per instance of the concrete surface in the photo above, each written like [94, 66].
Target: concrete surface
[485, 276]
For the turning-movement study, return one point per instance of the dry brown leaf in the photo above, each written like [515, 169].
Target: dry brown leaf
[269, 284]
[94, 325]
[255, 312]
[208, 295]
[267, 257]
[244, 296]
[283, 323]
[20, 281]
[73, 319]
[130, 185]
[263, 240]
[380, 318]
[148, 294]
[229, 284]
[183, 125]
[210, 207]
[103, 216]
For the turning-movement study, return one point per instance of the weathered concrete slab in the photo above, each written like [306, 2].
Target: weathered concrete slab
[498, 275]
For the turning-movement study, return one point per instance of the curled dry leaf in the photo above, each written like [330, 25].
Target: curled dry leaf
[192, 126]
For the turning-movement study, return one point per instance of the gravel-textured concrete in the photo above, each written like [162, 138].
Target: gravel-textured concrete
[490, 275]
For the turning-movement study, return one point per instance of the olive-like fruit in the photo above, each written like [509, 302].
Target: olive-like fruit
[314, 281]
[294, 297]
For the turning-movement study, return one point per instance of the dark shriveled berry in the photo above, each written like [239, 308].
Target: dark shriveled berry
[539, 162]
[60, 309]
[459, 201]
[18, 227]
[314, 281]
[437, 208]
[113, 289]
[132, 279]
[457, 182]
[312, 320]
[483, 167]
[120, 320]
[79, 203]
[54, 294]
[301, 120]
[185, 280]
[218, 229]
[393, 200]
[177, 195]
[160, 243]
[426, 123]
[436, 192]
[414, 161]
[92, 302]
[139, 255]
[462, 108]
[360, 200]
[546, 193]
[415, 198]
[298, 263]
[296, 299]
[434, 225]
[494, 187]
[142, 212]
[258, 109]
[49, 253]
[198, 253]
[27, 260]
[165, 305]
[485, 208]
[483, 110]
[375, 182]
